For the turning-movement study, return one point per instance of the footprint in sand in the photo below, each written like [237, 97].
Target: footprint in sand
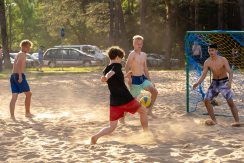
[222, 152]
[31, 156]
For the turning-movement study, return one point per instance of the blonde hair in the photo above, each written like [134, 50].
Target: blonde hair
[25, 43]
[137, 37]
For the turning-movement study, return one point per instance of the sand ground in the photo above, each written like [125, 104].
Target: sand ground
[70, 108]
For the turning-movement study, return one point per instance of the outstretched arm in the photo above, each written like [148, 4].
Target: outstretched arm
[128, 63]
[200, 51]
[146, 69]
[203, 76]
[128, 75]
[107, 76]
[228, 69]
[20, 65]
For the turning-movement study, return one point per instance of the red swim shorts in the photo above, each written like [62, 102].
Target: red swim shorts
[116, 112]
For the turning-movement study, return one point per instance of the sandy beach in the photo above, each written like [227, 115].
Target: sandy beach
[70, 108]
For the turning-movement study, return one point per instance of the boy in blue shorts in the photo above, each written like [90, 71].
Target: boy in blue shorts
[121, 101]
[140, 79]
[18, 80]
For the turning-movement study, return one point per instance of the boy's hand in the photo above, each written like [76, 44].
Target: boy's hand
[129, 73]
[195, 85]
[129, 82]
[20, 79]
[229, 84]
[103, 79]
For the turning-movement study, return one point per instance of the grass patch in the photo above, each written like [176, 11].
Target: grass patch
[52, 71]
[66, 69]
[5, 73]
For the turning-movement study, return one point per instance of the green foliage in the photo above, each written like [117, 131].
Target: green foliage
[88, 21]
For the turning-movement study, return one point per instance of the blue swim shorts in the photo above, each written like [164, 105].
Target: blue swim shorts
[17, 87]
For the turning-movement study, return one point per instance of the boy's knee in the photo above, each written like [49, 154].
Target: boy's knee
[28, 94]
[155, 91]
[206, 101]
[231, 103]
[14, 99]
[142, 110]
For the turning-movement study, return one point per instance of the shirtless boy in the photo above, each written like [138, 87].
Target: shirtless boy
[140, 79]
[18, 80]
[221, 83]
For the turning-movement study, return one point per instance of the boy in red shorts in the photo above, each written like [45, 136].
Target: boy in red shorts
[121, 100]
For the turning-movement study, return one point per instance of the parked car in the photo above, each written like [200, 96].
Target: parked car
[35, 55]
[68, 57]
[35, 62]
[88, 49]
[154, 60]
[30, 62]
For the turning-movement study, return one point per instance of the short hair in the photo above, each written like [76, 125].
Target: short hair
[115, 51]
[25, 43]
[137, 37]
[214, 46]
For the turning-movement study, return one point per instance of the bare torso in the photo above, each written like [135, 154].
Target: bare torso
[196, 50]
[137, 63]
[217, 67]
[19, 63]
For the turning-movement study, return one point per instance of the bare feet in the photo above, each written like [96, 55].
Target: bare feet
[151, 114]
[93, 140]
[13, 118]
[210, 122]
[29, 115]
[236, 124]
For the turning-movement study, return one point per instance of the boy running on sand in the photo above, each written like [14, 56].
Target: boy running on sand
[121, 100]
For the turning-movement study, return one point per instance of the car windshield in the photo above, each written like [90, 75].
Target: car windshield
[95, 48]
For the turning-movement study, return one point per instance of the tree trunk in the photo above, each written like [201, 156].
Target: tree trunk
[132, 5]
[142, 16]
[116, 24]
[241, 4]
[167, 38]
[112, 16]
[129, 7]
[220, 14]
[121, 18]
[4, 35]
[196, 15]
[122, 35]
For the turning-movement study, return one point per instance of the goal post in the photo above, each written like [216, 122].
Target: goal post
[231, 46]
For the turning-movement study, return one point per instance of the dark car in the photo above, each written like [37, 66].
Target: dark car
[68, 57]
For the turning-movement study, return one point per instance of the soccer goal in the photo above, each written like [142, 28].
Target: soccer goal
[230, 45]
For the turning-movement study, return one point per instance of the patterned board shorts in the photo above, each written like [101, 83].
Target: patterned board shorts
[219, 86]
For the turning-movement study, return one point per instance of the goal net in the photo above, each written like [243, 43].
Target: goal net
[231, 46]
